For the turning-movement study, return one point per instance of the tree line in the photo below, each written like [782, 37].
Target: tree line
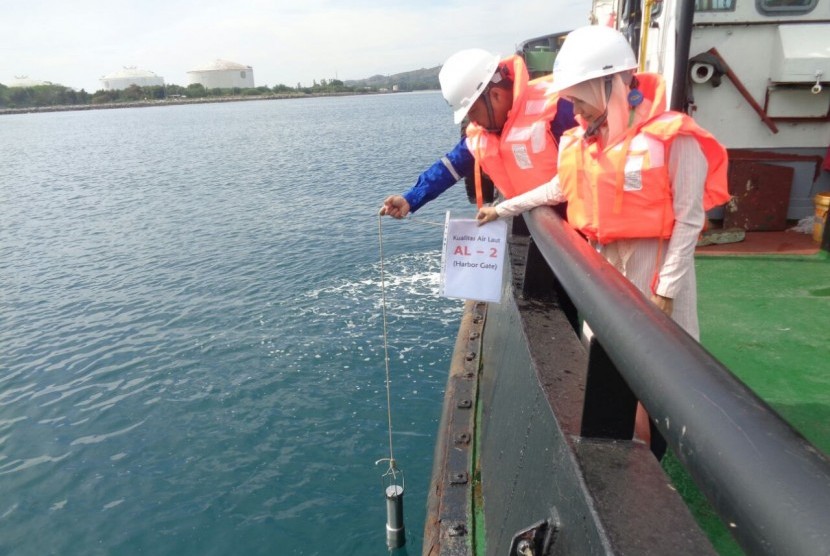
[58, 95]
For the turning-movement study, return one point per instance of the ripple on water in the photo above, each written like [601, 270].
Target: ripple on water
[192, 357]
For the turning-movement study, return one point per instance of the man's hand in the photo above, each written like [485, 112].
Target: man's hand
[395, 206]
[486, 214]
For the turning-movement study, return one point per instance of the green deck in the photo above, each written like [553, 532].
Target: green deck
[767, 318]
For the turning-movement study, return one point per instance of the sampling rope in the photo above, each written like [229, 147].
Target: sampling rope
[427, 222]
[392, 466]
[393, 470]
[393, 479]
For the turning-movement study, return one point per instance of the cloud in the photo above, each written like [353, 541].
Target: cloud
[76, 43]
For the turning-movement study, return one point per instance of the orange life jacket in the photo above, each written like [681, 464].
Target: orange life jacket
[624, 191]
[524, 154]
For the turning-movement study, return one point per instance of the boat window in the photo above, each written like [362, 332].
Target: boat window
[779, 7]
[715, 5]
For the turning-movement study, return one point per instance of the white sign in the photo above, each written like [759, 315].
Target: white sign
[473, 259]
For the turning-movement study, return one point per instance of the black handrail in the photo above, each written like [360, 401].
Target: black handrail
[683, 41]
[767, 482]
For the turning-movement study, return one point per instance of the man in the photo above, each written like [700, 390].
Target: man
[513, 135]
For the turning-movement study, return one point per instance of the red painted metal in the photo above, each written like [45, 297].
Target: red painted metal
[796, 119]
[760, 196]
[743, 90]
[771, 156]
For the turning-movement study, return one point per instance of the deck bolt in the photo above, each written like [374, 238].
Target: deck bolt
[458, 478]
[457, 530]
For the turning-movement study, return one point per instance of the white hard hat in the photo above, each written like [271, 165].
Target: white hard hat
[463, 78]
[591, 52]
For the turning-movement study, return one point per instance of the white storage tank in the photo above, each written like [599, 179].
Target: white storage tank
[25, 81]
[131, 75]
[222, 74]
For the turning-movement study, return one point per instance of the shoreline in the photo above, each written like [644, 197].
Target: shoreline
[180, 101]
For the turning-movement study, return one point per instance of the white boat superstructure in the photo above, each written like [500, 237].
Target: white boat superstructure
[756, 73]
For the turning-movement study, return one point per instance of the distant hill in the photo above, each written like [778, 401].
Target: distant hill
[407, 81]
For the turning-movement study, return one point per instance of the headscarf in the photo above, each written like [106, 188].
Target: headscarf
[616, 107]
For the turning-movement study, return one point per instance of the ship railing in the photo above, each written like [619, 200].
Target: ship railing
[764, 479]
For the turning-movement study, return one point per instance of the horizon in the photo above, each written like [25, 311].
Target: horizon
[284, 44]
[185, 85]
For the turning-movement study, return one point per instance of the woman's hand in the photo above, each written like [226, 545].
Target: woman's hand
[665, 304]
[486, 214]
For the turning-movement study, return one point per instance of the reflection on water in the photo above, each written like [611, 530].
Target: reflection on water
[192, 358]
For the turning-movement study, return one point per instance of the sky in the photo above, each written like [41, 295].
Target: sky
[75, 43]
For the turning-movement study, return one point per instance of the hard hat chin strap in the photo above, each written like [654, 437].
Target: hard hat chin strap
[500, 75]
[593, 129]
[491, 117]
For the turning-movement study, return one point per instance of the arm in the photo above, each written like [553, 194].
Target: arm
[433, 182]
[546, 194]
[687, 172]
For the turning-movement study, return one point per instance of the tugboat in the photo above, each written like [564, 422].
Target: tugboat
[534, 452]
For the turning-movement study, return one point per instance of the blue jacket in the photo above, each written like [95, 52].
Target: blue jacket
[459, 163]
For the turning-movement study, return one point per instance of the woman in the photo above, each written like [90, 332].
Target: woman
[637, 179]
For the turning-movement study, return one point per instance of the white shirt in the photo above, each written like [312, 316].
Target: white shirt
[638, 259]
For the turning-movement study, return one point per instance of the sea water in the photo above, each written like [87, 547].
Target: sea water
[191, 340]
